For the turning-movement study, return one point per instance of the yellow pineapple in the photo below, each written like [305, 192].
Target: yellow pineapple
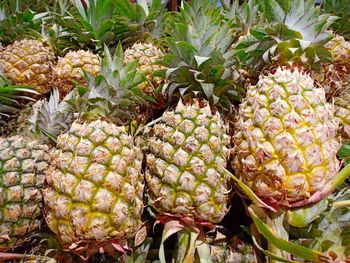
[69, 69]
[28, 62]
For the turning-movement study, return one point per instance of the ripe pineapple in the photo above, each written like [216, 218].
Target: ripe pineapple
[22, 165]
[95, 184]
[188, 146]
[337, 81]
[342, 111]
[286, 138]
[28, 62]
[69, 69]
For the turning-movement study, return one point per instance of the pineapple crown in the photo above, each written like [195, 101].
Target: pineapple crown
[113, 95]
[17, 21]
[51, 117]
[243, 16]
[86, 24]
[294, 36]
[200, 63]
[340, 8]
[140, 21]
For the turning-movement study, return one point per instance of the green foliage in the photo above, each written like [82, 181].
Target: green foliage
[50, 117]
[329, 231]
[140, 21]
[200, 63]
[243, 16]
[340, 8]
[295, 35]
[91, 27]
[10, 96]
[17, 21]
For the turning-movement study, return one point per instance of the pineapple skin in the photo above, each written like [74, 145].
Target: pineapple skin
[28, 62]
[342, 112]
[338, 82]
[186, 164]
[95, 185]
[69, 69]
[147, 54]
[337, 74]
[285, 139]
[23, 163]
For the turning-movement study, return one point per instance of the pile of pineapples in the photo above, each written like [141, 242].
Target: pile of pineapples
[216, 133]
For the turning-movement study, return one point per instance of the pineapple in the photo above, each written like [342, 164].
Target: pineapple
[22, 168]
[69, 69]
[143, 29]
[342, 113]
[188, 146]
[23, 163]
[337, 73]
[28, 62]
[337, 81]
[95, 185]
[24, 159]
[286, 138]
[188, 153]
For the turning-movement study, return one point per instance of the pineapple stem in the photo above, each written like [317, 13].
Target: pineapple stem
[271, 255]
[253, 197]
[340, 204]
[276, 224]
[285, 245]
